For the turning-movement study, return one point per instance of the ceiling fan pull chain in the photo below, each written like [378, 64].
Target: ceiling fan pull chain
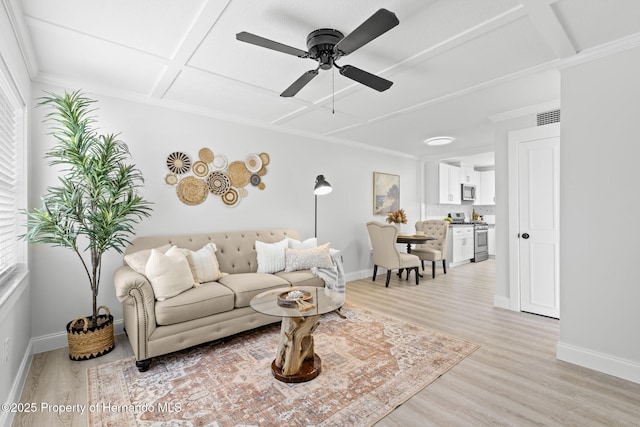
[333, 90]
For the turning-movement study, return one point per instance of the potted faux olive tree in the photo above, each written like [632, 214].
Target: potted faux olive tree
[92, 210]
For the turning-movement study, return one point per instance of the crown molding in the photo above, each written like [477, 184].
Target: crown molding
[21, 33]
[525, 111]
[601, 51]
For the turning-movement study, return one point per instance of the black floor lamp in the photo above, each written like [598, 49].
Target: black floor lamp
[321, 188]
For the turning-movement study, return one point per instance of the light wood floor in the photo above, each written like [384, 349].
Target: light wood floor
[514, 379]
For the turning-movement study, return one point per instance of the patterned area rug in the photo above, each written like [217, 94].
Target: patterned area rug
[371, 364]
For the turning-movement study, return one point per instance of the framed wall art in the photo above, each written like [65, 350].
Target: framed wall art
[386, 193]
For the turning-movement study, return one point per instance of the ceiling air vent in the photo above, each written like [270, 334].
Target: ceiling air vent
[548, 117]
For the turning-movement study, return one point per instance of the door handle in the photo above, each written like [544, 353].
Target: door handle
[525, 235]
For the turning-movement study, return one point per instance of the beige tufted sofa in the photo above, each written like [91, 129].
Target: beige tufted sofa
[433, 250]
[203, 313]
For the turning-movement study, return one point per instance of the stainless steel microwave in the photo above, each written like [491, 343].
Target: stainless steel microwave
[468, 192]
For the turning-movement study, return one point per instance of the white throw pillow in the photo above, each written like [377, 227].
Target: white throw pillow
[305, 259]
[203, 263]
[138, 260]
[311, 242]
[169, 274]
[271, 256]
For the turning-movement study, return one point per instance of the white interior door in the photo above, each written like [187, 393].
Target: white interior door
[535, 220]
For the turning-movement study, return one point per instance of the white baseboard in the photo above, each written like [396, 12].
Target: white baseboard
[59, 339]
[621, 368]
[501, 301]
[6, 417]
[358, 275]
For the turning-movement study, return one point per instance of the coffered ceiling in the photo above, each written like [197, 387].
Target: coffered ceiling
[454, 63]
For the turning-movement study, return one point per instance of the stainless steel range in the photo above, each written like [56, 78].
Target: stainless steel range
[480, 241]
[480, 235]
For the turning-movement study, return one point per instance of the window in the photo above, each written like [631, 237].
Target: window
[8, 185]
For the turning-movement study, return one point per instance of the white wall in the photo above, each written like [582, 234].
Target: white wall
[600, 288]
[60, 291]
[15, 318]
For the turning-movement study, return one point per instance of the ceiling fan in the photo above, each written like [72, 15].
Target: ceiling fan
[326, 46]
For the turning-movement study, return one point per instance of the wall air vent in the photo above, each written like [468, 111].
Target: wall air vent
[548, 117]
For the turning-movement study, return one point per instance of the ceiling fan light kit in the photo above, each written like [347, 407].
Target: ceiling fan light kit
[326, 46]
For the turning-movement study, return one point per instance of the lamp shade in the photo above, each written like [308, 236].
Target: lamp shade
[322, 187]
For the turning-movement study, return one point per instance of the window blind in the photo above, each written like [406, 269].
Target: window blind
[8, 186]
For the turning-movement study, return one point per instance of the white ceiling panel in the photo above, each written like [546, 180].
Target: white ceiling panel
[71, 56]
[321, 120]
[511, 48]
[154, 26]
[227, 97]
[590, 23]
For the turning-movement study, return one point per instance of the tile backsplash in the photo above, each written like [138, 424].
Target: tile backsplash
[441, 211]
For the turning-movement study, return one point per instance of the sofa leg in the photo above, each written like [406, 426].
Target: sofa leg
[143, 365]
[375, 271]
[417, 277]
[386, 285]
[433, 269]
[444, 266]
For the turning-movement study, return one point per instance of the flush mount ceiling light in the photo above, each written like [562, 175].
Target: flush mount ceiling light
[439, 140]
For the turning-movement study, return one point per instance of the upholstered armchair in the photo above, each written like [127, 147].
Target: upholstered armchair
[385, 253]
[433, 250]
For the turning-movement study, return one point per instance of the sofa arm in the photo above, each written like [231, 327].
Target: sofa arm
[125, 280]
[136, 294]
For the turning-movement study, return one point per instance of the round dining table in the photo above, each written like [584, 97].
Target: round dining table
[412, 239]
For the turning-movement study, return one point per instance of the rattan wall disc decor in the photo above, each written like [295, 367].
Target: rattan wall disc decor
[220, 161]
[206, 155]
[218, 183]
[200, 168]
[238, 174]
[178, 163]
[213, 173]
[265, 159]
[253, 162]
[192, 191]
[230, 198]
[171, 179]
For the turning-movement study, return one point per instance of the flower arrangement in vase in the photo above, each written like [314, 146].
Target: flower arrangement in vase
[397, 217]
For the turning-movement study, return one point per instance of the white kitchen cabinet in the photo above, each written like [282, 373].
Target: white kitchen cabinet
[491, 240]
[460, 247]
[449, 191]
[468, 175]
[486, 190]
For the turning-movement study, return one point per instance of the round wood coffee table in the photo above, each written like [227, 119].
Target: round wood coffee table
[295, 359]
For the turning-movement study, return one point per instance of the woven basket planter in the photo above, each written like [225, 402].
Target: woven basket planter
[90, 342]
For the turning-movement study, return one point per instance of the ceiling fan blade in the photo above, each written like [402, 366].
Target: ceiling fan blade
[377, 24]
[367, 79]
[270, 44]
[299, 84]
